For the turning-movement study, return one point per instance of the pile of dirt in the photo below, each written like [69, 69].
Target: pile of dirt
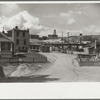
[21, 70]
[9, 68]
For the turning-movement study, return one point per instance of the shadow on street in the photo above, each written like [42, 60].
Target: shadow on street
[34, 78]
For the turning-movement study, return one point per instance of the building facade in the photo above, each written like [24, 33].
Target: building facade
[34, 36]
[53, 36]
[35, 44]
[6, 46]
[20, 38]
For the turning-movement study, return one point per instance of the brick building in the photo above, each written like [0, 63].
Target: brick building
[20, 38]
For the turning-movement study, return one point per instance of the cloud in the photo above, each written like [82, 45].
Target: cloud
[89, 29]
[49, 16]
[23, 20]
[92, 29]
[9, 9]
[45, 33]
[50, 31]
[70, 13]
[71, 21]
[79, 12]
[66, 15]
[69, 17]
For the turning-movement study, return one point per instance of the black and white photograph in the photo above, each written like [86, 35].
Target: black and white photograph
[50, 50]
[49, 42]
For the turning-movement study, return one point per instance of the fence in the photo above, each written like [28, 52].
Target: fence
[88, 60]
[31, 57]
[90, 63]
[24, 60]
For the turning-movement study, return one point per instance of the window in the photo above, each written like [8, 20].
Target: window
[17, 41]
[17, 34]
[24, 41]
[26, 48]
[19, 48]
[30, 46]
[23, 34]
[5, 46]
[22, 47]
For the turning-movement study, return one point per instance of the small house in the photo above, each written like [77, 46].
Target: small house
[6, 46]
[35, 44]
[90, 48]
[45, 48]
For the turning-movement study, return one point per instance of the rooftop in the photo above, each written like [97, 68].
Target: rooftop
[4, 38]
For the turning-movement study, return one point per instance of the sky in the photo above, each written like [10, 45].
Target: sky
[42, 19]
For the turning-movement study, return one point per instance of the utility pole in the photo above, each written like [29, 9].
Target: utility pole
[3, 30]
[68, 37]
[95, 48]
[69, 48]
[62, 41]
[62, 36]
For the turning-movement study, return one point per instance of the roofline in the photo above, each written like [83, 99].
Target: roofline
[6, 37]
[18, 30]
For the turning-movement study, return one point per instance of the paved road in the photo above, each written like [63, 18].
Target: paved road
[65, 69]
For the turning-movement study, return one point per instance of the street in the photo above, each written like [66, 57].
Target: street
[64, 68]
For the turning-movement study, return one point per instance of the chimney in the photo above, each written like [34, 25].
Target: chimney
[16, 27]
[3, 30]
[28, 29]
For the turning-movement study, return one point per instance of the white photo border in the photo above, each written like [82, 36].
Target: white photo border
[63, 90]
